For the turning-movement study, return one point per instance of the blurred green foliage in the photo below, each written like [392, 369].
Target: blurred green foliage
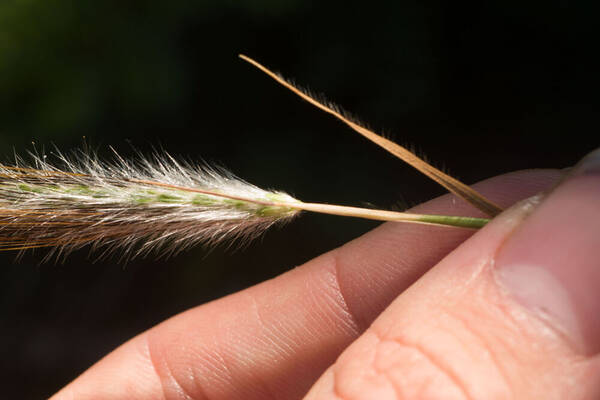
[64, 65]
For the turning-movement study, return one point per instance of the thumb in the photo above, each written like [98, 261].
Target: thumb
[514, 312]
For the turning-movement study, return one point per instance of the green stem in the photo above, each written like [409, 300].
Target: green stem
[384, 215]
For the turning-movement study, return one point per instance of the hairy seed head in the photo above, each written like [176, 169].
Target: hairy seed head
[151, 204]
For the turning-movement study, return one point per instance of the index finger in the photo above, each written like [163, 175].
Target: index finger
[275, 339]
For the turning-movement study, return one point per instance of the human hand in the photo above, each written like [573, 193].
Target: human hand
[469, 328]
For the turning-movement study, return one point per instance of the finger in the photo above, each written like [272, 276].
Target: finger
[275, 339]
[374, 269]
[514, 312]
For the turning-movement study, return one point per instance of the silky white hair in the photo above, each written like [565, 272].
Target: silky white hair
[150, 204]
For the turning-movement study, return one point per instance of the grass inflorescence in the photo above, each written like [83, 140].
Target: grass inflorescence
[156, 204]
[151, 204]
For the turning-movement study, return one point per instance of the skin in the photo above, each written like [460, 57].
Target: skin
[403, 312]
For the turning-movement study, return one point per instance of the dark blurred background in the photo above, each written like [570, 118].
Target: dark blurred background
[481, 88]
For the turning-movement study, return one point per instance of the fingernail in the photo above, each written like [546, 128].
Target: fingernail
[551, 263]
[590, 164]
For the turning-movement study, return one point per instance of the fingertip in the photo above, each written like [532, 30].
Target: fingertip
[550, 264]
[465, 331]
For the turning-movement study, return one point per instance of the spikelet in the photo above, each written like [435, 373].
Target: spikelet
[150, 204]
